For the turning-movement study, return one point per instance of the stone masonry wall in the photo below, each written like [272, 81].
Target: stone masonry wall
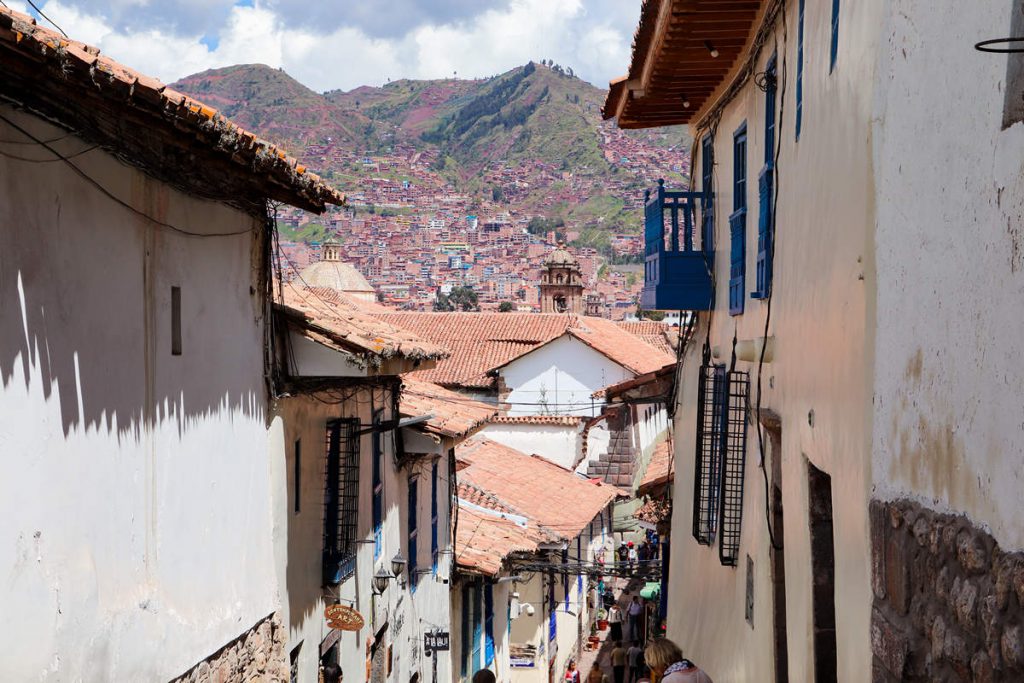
[256, 655]
[948, 602]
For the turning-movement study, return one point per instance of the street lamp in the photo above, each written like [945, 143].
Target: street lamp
[398, 564]
[380, 581]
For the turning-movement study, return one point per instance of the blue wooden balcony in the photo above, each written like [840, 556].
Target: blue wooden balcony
[677, 271]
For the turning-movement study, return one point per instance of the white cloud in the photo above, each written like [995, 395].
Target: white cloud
[592, 37]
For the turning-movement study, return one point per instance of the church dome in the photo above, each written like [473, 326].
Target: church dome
[561, 257]
[335, 274]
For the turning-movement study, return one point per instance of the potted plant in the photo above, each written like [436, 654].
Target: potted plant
[602, 619]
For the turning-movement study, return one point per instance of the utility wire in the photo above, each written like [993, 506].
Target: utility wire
[89, 179]
[40, 12]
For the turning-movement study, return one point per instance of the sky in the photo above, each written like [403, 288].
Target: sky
[342, 44]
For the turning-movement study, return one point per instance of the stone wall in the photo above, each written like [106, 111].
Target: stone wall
[256, 655]
[948, 602]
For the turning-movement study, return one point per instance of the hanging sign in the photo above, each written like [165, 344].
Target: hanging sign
[436, 641]
[343, 618]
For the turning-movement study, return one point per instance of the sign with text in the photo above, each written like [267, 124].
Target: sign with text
[343, 618]
[436, 641]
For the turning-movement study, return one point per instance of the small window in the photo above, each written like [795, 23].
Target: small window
[413, 530]
[834, 48]
[341, 501]
[707, 165]
[800, 69]
[175, 321]
[297, 475]
[738, 223]
[378, 485]
[433, 516]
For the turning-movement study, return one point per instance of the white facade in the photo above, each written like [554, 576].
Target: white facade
[559, 378]
[561, 444]
[135, 492]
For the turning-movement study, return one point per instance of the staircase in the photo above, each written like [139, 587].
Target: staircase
[617, 465]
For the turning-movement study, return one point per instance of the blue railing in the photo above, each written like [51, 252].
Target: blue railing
[677, 271]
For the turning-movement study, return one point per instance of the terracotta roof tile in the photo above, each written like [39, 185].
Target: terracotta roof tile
[453, 414]
[556, 420]
[661, 336]
[659, 469]
[58, 74]
[483, 540]
[561, 502]
[331, 318]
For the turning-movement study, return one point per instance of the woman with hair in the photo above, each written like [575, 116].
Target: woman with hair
[666, 660]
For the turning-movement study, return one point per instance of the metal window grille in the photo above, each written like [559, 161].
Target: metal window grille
[377, 442]
[734, 458]
[341, 500]
[710, 431]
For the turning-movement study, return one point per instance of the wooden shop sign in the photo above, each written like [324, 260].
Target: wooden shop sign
[343, 618]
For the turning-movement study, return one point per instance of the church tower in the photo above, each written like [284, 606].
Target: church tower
[561, 283]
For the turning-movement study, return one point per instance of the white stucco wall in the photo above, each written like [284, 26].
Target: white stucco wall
[135, 490]
[299, 541]
[948, 415]
[559, 378]
[823, 319]
[561, 444]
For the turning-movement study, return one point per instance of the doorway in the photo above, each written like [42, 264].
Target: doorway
[823, 574]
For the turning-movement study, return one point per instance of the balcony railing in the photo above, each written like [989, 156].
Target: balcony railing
[677, 270]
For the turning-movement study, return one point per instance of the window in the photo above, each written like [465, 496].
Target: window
[341, 501]
[433, 516]
[710, 431]
[734, 463]
[765, 189]
[834, 48]
[412, 548]
[800, 69]
[738, 223]
[296, 474]
[477, 626]
[175, 321]
[707, 166]
[293, 664]
[823, 574]
[1013, 106]
[488, 625]
[465, 630]
[378, 486]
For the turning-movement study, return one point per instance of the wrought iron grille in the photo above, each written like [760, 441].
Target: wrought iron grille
[710, 437]
[734, 459]
[341, 500]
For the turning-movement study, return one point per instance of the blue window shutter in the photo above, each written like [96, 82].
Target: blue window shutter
[433, 517]
[489, 625]
[413, 529]
[477, 628]
[738, 224]
[764, 235]
[800, 70]
[834, 47]
[466, 607]
[707, 166]
[378, 489]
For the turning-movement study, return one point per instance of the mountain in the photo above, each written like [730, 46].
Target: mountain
[531, 138]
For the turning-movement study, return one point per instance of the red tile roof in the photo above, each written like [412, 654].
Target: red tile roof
[661, 336]
[332, 319]
[483, 540]
[147, 123]
[659, 469]
[555, 420]
[561, 502]
[481, 342]
[454, 415]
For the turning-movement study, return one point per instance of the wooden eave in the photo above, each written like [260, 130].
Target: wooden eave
[671, 62]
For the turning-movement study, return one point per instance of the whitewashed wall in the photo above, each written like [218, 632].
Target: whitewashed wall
[135, 487]
[561, 375]
[949, 422]
[561, 444]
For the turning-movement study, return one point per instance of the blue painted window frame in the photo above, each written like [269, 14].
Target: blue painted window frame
[378, 485]
[765, 221]
[707, 165]
[738, 223]
[800, 70]
[834, 46]
[466, 597]
[414, 532]
[478, 624]
[552, 611]
[433, 518]
[488, 625]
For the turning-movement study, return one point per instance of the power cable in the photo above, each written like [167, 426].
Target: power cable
[107, 193]
[29, 160]
[40, 12]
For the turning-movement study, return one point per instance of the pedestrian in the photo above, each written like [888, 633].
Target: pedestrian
[631, 556]
[572, 675]
[635, 611]
[609, 597]
[484, 676]
[666, 660]
[643, 554]
[623, 553]
[619, 662]
[595, 675]
[615, 622]
[634, 655]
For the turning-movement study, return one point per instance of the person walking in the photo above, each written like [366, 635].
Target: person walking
[623, 553]
[572, 675]
[666, 660]
[615, 622]
[484, 676]
[635, 611]
[619, 662]
[643, 554]
[595, 675]
[631, 556]
[633, 657]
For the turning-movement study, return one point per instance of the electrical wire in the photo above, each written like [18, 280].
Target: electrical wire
[30, 160]
[47, 18]
[107, 193]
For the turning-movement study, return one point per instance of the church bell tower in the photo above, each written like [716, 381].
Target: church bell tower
[561, 283]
